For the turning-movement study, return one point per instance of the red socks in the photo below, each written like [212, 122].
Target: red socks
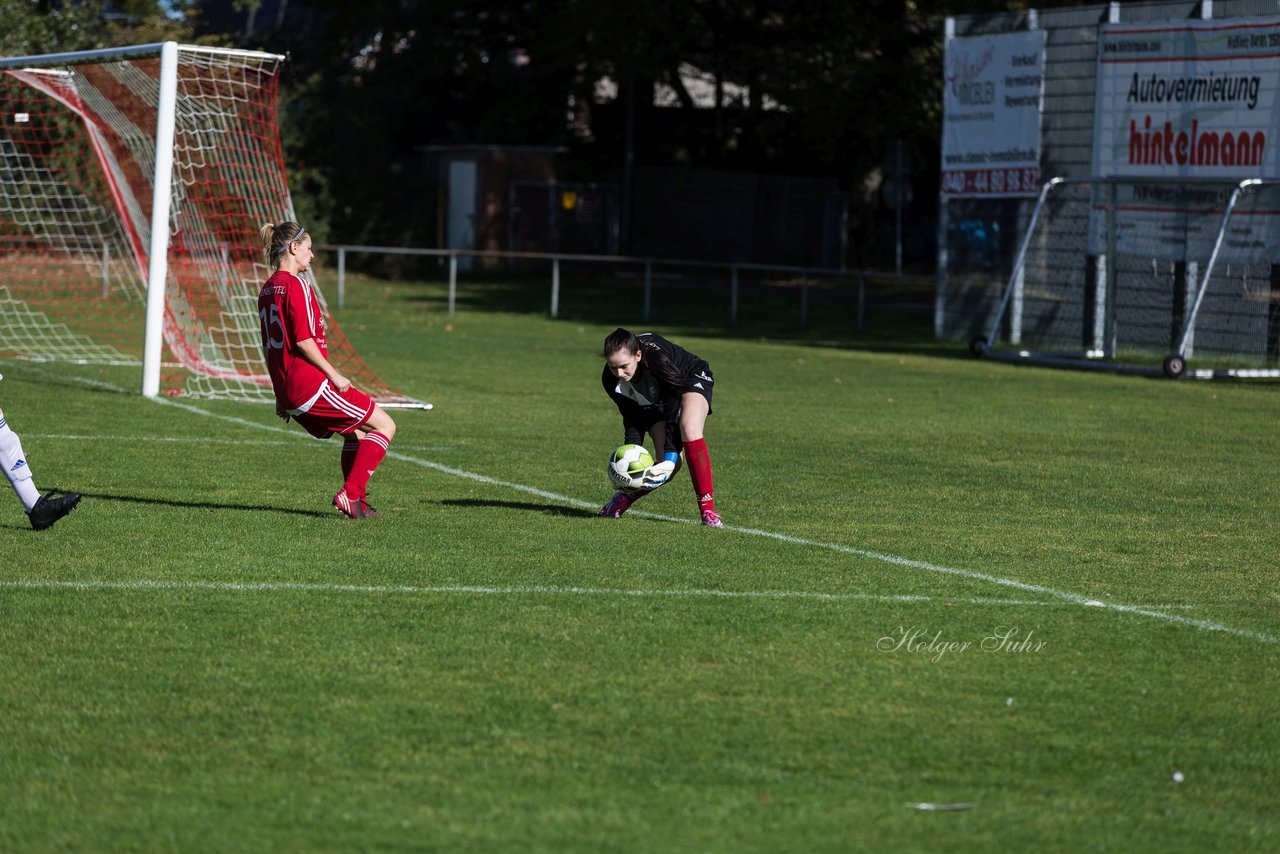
[364, 462]
[349, 448]
[699, 460]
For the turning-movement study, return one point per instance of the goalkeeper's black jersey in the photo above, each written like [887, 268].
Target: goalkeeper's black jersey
[647, 400]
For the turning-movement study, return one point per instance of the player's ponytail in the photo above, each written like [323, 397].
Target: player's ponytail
[276, 239]
[267, 231]
[667, 374]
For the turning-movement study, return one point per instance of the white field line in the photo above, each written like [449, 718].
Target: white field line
[519, 590]
[1067, 596]
[513, 590]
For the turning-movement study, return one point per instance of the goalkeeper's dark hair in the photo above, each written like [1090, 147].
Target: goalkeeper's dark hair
[276, 239]
[654, 358]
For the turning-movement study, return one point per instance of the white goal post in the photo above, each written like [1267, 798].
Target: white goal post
[1146, 276]
[133, 183]
[158, 267]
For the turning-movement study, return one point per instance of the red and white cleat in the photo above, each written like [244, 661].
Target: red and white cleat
[347, 507]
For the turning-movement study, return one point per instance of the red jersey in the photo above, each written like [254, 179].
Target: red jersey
[290, 313]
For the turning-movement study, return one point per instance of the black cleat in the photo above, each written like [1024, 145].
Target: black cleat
[49, 509]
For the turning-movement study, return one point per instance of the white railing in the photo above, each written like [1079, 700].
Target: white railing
[648, 265]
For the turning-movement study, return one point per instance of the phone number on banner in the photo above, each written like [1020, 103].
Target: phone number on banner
[1024, 181]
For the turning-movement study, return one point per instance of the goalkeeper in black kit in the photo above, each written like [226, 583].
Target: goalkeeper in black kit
[661, 389]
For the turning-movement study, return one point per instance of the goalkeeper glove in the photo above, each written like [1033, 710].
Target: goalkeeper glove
[658, 474]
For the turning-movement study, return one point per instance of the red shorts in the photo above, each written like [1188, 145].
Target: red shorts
[330, 412]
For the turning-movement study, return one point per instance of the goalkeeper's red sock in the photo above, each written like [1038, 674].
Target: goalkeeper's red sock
[699, 459]
[371, 452]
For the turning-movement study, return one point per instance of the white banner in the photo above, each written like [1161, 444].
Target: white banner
[1180, 222]
[991, 115]
[1192, 99]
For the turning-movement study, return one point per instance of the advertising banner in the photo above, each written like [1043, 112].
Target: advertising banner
[1188, 102]
[992, 92]
[1192, 99]
[1180, 222]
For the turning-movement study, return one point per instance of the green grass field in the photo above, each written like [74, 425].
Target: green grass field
[1035, 594]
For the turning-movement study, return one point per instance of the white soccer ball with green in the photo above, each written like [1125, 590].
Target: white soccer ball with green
[627, 465]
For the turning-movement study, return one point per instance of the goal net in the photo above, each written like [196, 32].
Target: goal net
[133, 184]
[1146, 277]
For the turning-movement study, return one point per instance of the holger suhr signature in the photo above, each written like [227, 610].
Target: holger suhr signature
[923, 641]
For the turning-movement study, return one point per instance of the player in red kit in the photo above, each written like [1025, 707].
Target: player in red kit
[661, 389]
[308, 388]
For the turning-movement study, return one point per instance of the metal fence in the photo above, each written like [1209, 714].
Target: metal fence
[731, 272]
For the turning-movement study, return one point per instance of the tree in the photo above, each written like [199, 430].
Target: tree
[39, 26]
[382, 78]
[49, 26]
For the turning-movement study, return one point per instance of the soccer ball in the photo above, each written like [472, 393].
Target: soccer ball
[627, 465]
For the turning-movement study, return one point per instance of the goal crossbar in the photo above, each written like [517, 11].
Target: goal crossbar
[130, 52]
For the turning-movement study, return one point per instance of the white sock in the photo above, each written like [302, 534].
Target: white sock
[15, 466]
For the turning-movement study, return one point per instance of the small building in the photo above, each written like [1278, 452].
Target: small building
[474, 190]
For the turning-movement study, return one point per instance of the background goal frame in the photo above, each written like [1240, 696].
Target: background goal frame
[1212, 293]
